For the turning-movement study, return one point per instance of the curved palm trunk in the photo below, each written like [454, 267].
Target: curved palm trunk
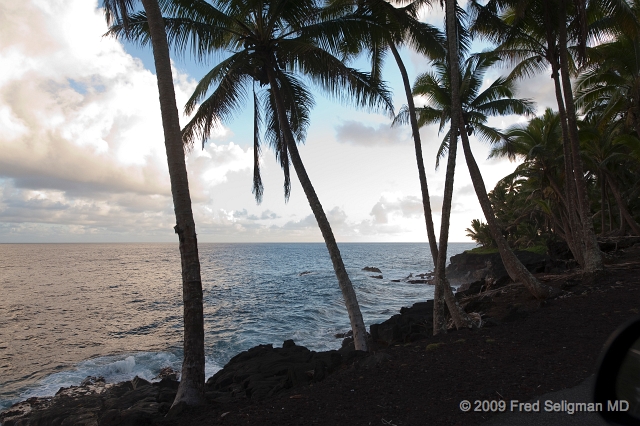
[415, 130]
[512, 264]
[624, 211]
[622, 230]
[592, 254]
[460, 317]
[348, 293]
[602, 195]
[191, 389]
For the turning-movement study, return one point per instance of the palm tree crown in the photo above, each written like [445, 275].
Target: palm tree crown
[477, 105]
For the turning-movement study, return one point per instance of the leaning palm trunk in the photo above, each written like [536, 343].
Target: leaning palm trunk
[439, 325]
[460, 317]
[624, 211]
[348, 293]
[516, 270]
[424, 188]
[592, 254]
[191, 389]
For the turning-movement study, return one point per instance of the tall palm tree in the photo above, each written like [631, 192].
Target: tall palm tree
[272, 44]
[532, 34]
[475, 108]
[191, 389]
[397, 26]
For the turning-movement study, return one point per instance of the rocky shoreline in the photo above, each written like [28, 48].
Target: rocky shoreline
[264, 372]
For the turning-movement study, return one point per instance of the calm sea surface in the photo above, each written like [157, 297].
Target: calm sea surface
[68, 311]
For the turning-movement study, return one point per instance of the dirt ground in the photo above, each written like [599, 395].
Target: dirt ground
[532, 348]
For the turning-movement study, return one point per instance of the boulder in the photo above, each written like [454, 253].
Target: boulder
[263, 370]
[411, 324]
[467, 268]
[371, 269]
[167, 373]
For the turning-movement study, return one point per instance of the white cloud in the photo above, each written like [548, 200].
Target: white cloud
[82, 142]
[357, 133]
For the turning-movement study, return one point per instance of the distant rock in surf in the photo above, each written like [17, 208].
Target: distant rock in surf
[371, 269]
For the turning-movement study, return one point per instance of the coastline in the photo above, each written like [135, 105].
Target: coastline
[452, 364]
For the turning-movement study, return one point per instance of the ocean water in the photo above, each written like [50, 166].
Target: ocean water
[68, 311]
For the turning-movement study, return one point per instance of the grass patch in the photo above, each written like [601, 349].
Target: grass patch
[433, 346]
[542, 250]
[537, 249]
[482, 250]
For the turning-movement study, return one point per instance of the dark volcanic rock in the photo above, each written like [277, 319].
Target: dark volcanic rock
[371, 269]
[617, 243]
[97, 403]
[264, 371]
[466, 268]
[411, 324]
[376, 276]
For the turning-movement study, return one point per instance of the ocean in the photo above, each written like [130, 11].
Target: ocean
[69, 311]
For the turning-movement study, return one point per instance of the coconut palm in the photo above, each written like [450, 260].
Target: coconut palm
[538, 144]
[274, 47]
[394, 27]
[397, 26]
[191, 389]
[607, 156]
[532, 34]
[479, 232]
[610, 87]
[476, 106]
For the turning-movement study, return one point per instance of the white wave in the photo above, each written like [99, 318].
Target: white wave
[115, 368]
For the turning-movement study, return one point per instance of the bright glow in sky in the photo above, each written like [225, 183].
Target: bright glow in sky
[82, 156]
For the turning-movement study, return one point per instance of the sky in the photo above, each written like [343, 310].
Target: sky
[82, 155]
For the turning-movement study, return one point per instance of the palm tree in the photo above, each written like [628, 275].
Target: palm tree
[530, 35]
[191, 389]
[473, 113]
[538, 144]
[479, 232]
[398, 26]
[270, 43]
[607, 155]
[610, 86]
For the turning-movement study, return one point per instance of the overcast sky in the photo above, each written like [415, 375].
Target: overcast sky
[82, 156]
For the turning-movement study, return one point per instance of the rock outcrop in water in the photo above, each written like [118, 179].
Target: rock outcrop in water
[96, 403]
[264, 371]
